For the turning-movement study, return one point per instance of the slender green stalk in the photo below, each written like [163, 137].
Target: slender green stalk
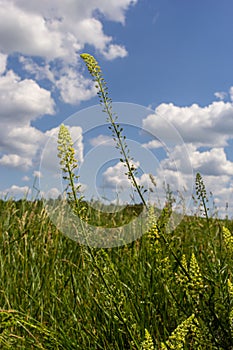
[106, 102]
[68, 164]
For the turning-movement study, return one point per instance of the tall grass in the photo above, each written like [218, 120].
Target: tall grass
[53, 297]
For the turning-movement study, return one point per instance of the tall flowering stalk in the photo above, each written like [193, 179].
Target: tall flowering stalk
[147, 344]
[68, 162]
[189, 332]
[230, 291]
[194, 285]
[105, 101]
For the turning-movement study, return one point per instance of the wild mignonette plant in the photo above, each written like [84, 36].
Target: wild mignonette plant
[230, 291]
[117, 131]
[190, 333]
[201, 194]
[69, 164]
[147, 344]
[193, 286]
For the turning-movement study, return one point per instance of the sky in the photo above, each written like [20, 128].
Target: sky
[168, 67]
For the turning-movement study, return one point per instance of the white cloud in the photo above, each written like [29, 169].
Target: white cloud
[221, 95]
[52, 193]
[102, 140]
[212, 162]
[57, 32]
[21, 102]
[26, 178]
[37, 173]
[91, 31]
[152, 144]
[231, 93]
[3, 62]
[15, 161]
[115, 176]
[39, 72]
[203, 126]
[114, 51]
[210, 127]
[74, 88]
[56, 29]
[222, 188]
[27, 32]
[15, 191]
[113, 10]
[23, 99]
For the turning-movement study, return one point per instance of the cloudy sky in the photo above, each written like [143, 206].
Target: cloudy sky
[174, 57]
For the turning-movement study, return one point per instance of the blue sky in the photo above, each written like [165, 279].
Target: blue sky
[173, 56]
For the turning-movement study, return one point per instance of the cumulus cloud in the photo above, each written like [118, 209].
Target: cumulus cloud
[114, 51]
[27, 32]
[3, 62]
[53, 193]
[22, 101]
[221, 95]
[56, 33]
[152, 144]
[39, 72]
[15, 191]
[74, 88]
[102, 140]
[212, 162]
[15, 161]
[37, 173]
[203, 126]
[114, 176]
[205, 132]
[56, 30]
[26, 178]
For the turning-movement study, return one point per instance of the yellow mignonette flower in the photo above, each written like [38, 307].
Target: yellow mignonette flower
[92, 65]
[228, 238]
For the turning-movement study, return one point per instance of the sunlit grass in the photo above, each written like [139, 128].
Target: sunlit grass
[52, 296]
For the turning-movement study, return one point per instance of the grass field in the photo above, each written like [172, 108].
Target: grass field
[57, 294]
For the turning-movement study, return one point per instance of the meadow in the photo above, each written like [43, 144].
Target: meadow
[170, 288]
[56, 294]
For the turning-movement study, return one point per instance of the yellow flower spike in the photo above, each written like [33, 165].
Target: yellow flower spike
[195, 274]
[230, 288]
[177, 339]
[92, 65]
[230, 291]
[228, 238]
[68, 162]
[147, 344]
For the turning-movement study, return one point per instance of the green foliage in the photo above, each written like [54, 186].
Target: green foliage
[52, 295]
